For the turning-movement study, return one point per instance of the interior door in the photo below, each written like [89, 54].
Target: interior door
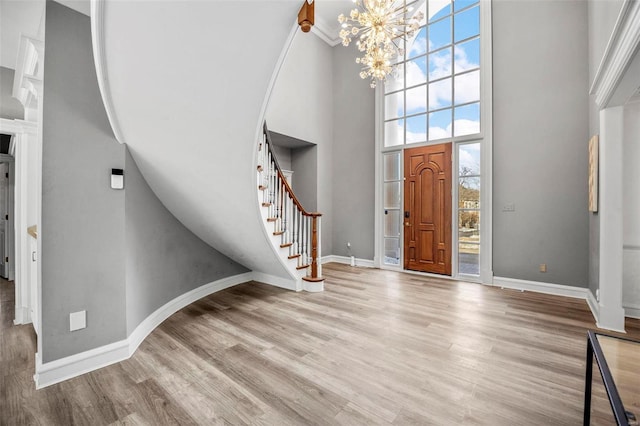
[427, 209]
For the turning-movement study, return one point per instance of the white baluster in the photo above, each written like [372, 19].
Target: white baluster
[298, 236]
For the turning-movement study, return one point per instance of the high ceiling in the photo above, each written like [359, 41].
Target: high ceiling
[327, 12]
[25, 16]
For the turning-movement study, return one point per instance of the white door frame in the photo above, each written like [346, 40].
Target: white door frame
[21, 131]
[486, 169]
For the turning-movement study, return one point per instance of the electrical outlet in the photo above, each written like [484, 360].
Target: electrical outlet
[348, 244]
[77, 320]
[543, 267]
[598, 295]
[509, 207]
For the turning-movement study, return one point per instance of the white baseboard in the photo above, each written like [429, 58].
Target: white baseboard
[165, 311]
[22, 315]
[69, 367]
[288, 284]
[632, 311]
[593, 305]
[555, 289]
[540, 287]
[66, 368]
[366, 263]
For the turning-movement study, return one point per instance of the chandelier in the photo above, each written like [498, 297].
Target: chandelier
[380, 26]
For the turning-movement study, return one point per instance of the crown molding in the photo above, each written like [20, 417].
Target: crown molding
[99, 57]
[619, 53]
[325, 32]
[27, 81]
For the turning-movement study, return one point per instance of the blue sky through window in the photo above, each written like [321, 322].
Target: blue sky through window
[467, 24]
[438, 73]
[440, 34]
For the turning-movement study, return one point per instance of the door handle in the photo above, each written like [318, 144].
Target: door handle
[407, 223]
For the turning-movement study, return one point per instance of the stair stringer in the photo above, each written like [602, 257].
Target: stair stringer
[185, 99]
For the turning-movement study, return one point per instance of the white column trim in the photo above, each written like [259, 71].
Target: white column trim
[619, 52]
[486, 159]
[99, 57]
[611, 313]
[16, 127]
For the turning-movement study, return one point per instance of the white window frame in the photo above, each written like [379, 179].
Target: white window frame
[485, 137]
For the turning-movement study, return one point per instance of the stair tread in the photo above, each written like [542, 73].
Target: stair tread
[285, 245]
[303, 266]
[278, 233]
[313, 280]
[294, 256]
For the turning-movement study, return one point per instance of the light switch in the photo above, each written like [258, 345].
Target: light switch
[117, 179]
[77, 320]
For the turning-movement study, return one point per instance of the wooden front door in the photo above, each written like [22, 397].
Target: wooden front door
[427, 209]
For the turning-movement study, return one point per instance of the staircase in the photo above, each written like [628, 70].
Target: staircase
[186, 85]
[295, 232]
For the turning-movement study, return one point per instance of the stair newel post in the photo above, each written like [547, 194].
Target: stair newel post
[318, 256]
[314, 246]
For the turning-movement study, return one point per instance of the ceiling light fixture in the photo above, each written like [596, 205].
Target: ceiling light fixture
[382, 28]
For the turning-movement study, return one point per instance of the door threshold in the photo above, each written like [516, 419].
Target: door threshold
[460, 277]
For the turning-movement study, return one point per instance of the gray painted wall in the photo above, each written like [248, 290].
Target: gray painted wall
[304, 163]
[164, 259]
[118, 254]
[353, 157]
[540, 121]
[83, 233]
[284, 156]
[602, 16]
[10, 107]
[301, 106]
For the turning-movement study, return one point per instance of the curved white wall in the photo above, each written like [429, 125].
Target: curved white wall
[187, 82]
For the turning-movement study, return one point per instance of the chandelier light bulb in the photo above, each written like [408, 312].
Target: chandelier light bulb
[381, 25]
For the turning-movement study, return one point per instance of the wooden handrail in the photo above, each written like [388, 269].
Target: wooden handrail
[298, 228]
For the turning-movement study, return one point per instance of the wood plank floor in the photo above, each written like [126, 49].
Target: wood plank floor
[377, 347]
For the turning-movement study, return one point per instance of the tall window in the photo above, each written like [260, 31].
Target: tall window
[435, 93]
[434, 97]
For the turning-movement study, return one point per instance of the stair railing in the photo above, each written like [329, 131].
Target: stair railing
[298, 229]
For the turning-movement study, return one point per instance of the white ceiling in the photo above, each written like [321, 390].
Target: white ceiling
[327, 12]
[24, 17]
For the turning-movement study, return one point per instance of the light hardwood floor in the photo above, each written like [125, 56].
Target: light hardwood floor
[377, 347]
